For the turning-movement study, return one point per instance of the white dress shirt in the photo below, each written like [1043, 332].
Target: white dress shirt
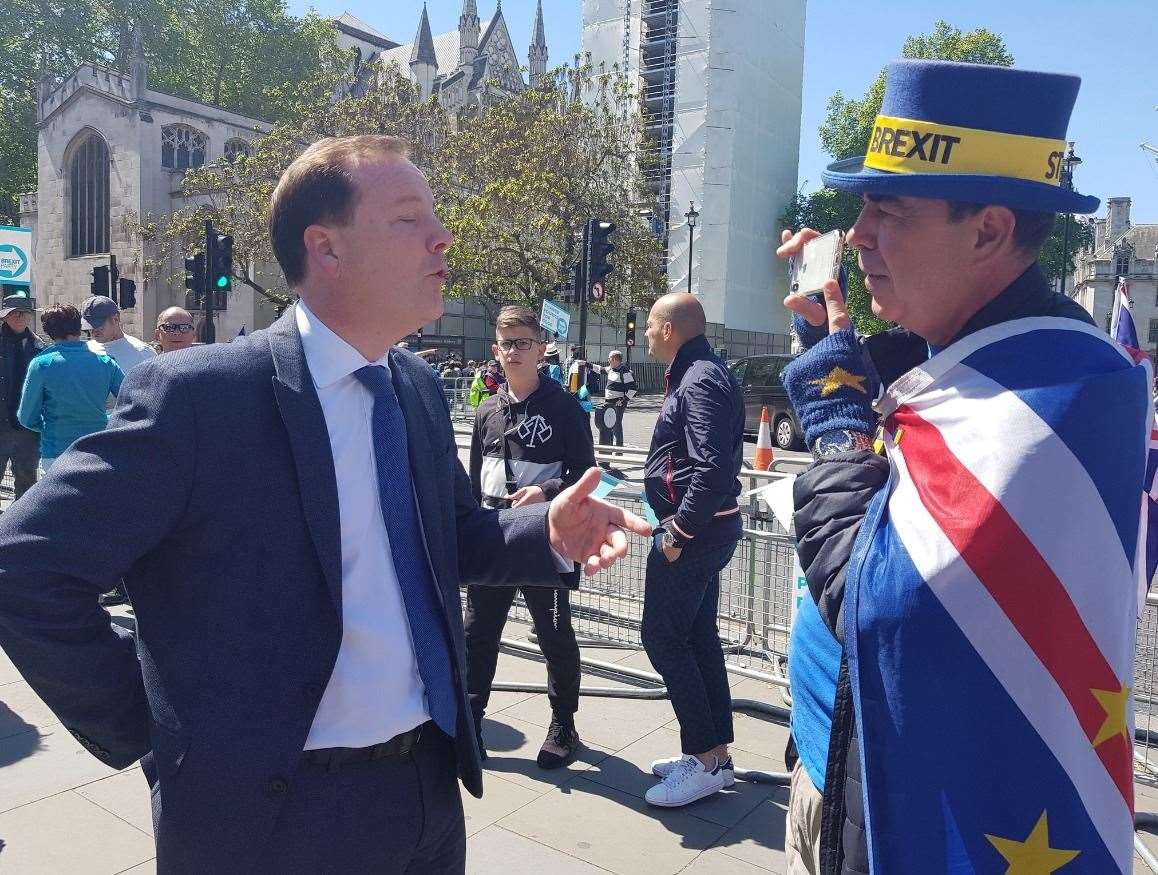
[375, 691]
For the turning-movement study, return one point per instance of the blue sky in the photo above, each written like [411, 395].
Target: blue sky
[1113, 46]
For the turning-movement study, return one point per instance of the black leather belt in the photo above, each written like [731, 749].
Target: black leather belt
[336, 757]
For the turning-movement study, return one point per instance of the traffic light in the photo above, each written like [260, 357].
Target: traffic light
[630, 340]
[570, 294]
[100, 280]
[194, 281]
[127, 290]
[599, 249]
[221, 268]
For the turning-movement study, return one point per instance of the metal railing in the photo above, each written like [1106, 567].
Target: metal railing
[457, 392]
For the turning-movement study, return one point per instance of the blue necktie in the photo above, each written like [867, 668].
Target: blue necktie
[415, 578]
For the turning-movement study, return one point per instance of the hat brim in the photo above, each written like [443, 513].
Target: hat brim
[7, 310]
[89, 326]
[852, 176]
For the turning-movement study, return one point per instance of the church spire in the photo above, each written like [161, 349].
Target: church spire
[537, 57]
[468, 34]
[423, 61]
[137, 65]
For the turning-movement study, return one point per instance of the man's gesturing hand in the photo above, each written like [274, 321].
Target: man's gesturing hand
[588, 530]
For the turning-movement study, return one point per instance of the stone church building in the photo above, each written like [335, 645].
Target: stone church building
[111, 149]
[1120, 249]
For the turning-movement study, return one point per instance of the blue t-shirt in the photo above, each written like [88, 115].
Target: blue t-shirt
[813, 666]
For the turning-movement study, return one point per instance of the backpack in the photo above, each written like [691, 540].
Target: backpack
[593, 383]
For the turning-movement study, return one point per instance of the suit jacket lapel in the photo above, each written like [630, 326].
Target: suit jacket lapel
[305, 424]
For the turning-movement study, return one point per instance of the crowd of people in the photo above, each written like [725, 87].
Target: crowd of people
[303, 687]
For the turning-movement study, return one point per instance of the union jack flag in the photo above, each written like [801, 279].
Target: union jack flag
[991, 606]
[1122, 326]
[1124, 331]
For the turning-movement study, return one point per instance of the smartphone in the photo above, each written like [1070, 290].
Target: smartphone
[817, 263]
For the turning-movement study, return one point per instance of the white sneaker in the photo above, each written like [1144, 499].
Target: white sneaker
[688, 781]
[661, 768]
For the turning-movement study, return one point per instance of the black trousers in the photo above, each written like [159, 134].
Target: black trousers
[486, 615]
[21, 447]
[682, 641]
[397, 815]
[613, 437]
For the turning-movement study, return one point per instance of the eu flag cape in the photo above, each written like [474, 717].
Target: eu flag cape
[991, 606]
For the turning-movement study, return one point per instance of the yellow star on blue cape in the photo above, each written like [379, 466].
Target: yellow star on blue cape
[1114, 704]
[836, 378]
[1034, 856]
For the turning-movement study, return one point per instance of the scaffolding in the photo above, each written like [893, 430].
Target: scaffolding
[657, 69]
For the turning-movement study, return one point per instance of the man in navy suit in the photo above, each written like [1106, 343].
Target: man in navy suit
[292, 524]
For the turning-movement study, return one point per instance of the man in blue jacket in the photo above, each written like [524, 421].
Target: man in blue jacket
[292, 524]
[690, 480]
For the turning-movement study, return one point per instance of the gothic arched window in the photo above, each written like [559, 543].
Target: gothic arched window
[1122, 261]
[182, 147]
[88, 185]
[234, 148]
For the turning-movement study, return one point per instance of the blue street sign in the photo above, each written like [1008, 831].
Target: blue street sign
[555, 319]
[15, 255]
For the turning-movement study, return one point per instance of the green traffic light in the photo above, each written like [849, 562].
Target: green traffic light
[222, 282]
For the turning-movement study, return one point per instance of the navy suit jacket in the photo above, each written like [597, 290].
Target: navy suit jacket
[213, 495]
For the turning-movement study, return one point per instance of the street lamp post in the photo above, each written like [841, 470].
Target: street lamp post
[1067, 182]
[691, 215]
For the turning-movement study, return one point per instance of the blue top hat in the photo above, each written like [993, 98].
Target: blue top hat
[968, 132]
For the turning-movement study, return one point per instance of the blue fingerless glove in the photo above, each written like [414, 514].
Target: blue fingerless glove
[832, 386]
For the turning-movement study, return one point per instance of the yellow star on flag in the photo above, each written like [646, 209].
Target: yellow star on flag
[836, 378]
[1114, 704]
[1033, 856]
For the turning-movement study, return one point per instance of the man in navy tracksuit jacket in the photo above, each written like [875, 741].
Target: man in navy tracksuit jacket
[691, 483]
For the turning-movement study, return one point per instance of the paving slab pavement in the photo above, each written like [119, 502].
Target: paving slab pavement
[61, 811]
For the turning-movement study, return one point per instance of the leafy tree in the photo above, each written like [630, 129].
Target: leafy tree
[845, 133]
[232, 54]
[1081, 234]
[518, 180]
[235, 197]
[512, 182]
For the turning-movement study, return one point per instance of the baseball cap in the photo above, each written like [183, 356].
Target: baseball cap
[96, 311]
[16, 301]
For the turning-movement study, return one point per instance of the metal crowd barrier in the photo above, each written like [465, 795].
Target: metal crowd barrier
[7, 487]
[755, 588]
[457, 392]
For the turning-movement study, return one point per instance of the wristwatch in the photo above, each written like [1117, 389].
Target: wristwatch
[669, 541]
[841, 440]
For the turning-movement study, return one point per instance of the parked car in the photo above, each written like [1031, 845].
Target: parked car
[760, 377]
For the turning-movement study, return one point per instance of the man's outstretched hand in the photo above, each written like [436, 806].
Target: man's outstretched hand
[589, 530]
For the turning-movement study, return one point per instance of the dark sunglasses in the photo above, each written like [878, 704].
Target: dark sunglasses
[523, 343]
[176, 327]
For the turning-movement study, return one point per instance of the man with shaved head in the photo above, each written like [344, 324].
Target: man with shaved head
[174, 329]
[690, 481]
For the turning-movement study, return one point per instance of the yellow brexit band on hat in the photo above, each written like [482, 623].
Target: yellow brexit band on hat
[901, 145]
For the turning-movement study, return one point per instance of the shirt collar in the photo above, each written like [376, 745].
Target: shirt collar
[328, 357]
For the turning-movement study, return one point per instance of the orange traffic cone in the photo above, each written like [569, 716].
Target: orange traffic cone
[763, 460]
